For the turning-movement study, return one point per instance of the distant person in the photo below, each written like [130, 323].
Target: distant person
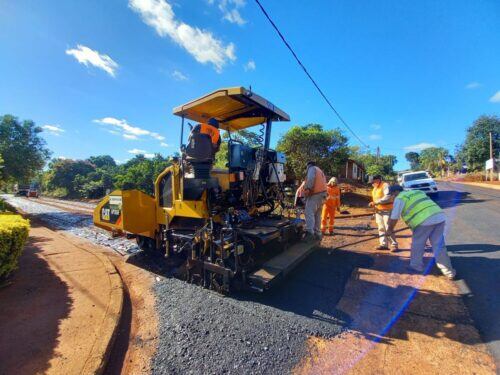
[382, 203]
[427, 222]
[315, 194]
[331, 205]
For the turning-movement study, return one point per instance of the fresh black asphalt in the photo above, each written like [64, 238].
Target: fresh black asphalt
[473, 239]
[202, 332]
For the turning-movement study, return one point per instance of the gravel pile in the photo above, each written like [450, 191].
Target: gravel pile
[204, 332]
[77, 224]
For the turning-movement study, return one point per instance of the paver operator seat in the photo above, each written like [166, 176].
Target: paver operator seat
[203, 143]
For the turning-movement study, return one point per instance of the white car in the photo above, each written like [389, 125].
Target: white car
[420, 180]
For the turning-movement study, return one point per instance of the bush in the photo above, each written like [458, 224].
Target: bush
[13, 235]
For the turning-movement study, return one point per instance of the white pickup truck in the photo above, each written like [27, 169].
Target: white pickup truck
[420, 180]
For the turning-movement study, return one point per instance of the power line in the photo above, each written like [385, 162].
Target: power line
[308, 75]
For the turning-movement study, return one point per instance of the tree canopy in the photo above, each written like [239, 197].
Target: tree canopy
[22, 149]
[300, 144]
[434, 159]
[382, 165]
[476, 148]
[414, 159]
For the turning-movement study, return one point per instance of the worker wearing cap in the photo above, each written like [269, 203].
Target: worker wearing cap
[382, 202]
[315, 194]
[427, 222]
[210, 128]
[331, 204]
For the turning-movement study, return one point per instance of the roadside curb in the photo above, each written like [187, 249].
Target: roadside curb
[98, 357]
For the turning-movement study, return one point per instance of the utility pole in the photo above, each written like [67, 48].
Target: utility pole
[491, 157]
[378, 153]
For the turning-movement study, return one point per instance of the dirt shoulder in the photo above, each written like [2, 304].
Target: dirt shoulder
[62, 309]
[398, 322]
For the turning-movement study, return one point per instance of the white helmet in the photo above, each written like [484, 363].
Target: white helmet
[333, 181]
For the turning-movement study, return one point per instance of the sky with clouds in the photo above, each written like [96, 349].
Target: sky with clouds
[102, 77]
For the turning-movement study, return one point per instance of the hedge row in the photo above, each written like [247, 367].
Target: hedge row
[13, 235]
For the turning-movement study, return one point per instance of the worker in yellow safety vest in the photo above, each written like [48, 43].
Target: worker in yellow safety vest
[427, 222]
[315, 195]
[331, 205]
[382, 203]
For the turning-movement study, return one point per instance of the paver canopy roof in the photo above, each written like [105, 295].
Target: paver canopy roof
[235, 108]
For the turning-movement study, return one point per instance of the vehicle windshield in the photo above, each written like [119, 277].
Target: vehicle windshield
[416, 176]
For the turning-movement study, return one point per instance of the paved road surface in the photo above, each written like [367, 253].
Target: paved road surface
[473, 237]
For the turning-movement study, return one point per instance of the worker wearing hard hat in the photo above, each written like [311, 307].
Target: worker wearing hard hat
[315, 194]
[382, 203]
[331, 204]
[427, 222]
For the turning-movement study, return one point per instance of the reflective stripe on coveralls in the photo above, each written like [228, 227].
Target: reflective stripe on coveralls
[418, 207]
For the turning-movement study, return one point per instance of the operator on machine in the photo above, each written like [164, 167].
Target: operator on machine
[210, 128]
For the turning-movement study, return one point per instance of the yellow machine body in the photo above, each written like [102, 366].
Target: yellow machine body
[132, 211]
[129, 211]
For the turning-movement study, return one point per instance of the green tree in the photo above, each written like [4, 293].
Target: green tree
[382, 165]
[22, 149]
[434, 159]
[311, 142]
[62, 175]
[414, 159]
[476, 148]
[140, 173]
[102, 161]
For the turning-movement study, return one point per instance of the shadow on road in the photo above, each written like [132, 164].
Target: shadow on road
[31, 309]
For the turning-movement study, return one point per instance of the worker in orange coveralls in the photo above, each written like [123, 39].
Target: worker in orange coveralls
[331, 204]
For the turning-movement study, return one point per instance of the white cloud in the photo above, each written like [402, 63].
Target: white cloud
[419, 146]
[53, 129]
[126, 130]
[178, 76]
[163, 144]
[473, 85]
[249, 66]
[375, 137]
[375, 126]
[87, 56]
[136, 151]
[495, 98]
[130, 136]
[201, 44]
[230, 11]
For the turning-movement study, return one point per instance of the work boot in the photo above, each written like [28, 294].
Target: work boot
[381, 247]
[318, 236]
[394, 248]
[309, 238]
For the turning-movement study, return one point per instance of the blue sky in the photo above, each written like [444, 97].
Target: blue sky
[102, 77]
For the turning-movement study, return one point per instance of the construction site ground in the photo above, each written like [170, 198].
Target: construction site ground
[347, 308]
